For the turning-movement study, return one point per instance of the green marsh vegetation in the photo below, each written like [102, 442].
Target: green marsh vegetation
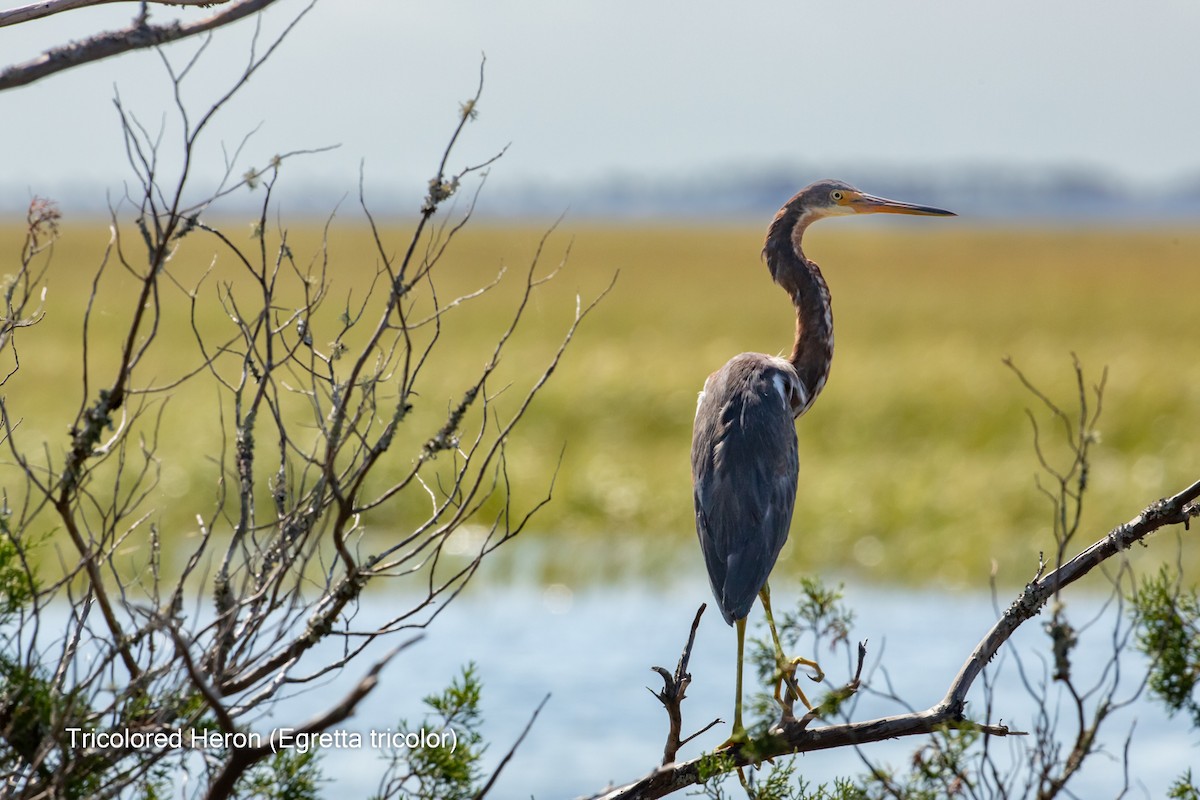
[917, 464]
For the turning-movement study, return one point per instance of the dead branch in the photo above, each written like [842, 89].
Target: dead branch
[673, 693]
[1176, 510]
[48, 8]
[139, 35]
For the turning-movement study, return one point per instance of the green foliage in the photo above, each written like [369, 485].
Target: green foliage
[287, 775]
[830, 705]
[714, 765]
[819, 612]
[778, 783]
[453, 772]
[1183, 788]
[33, 713]
[448, 772]
[1168, 621]
[156, 784]
[938, 770]
[17, 584]
[27, 711]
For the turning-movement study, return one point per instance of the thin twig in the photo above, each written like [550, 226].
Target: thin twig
[487, 787]
[673, 693]
[138, 36]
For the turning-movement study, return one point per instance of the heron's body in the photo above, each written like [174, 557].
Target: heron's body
[745, 463]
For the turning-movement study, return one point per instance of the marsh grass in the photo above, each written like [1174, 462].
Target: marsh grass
[916, 463]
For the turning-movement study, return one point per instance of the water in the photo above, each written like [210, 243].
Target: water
[592, 651]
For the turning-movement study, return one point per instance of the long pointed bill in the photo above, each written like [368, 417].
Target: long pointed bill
[869, 204]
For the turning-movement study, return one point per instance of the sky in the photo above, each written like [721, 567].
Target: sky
[586, 91]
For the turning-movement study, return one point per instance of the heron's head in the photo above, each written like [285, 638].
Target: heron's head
[816, 201]
[831, 198]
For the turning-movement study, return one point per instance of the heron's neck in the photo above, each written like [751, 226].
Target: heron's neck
[812, 352]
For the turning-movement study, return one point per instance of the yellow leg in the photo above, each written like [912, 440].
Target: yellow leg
[786, 666]
[738, 735]
[738, 728]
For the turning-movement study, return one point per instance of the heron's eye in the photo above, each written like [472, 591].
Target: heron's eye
[837, 195]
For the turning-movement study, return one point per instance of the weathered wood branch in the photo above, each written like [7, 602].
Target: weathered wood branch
[795, 737]
[1175, 510]
[137, 36]
[48, 8]
[674, 691]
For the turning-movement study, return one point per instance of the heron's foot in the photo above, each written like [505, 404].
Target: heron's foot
[786, 672]
[736, 739]
[817, 677]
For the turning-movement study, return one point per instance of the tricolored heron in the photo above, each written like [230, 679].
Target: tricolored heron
[744, 454]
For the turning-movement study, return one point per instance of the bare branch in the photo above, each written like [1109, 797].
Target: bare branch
[673, 694]
[138, 36]
[1176, 510]
[48, 8]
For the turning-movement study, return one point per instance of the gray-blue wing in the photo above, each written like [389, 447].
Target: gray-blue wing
[744, 471]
